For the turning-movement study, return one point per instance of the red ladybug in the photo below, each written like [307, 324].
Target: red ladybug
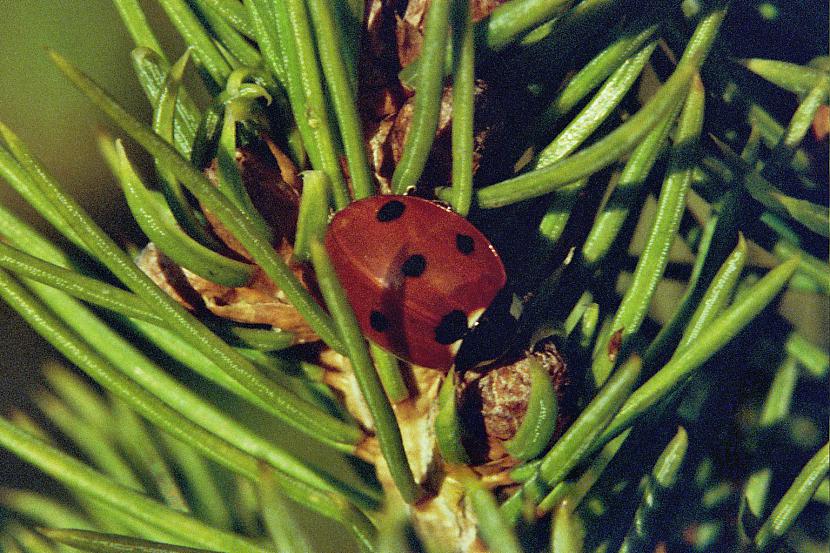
[417, 275]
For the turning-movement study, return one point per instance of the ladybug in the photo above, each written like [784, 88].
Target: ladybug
[418, 276]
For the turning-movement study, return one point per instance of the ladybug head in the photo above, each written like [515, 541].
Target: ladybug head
[493, 334]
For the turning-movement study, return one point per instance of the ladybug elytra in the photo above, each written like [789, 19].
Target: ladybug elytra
[417, 275]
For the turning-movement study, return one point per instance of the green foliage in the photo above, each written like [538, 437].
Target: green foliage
[427, 107]
[539, 422]
[173, 442]
[387, 431]
[448, 430]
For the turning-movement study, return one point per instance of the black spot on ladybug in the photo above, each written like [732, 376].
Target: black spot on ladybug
[390, 211]
[414, 266]
[378, 321]
[464, 244]
[452, 327]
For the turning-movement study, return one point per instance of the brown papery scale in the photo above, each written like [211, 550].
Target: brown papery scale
[492, 404]
[393, 37]
[271, 182]
[273, 189]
